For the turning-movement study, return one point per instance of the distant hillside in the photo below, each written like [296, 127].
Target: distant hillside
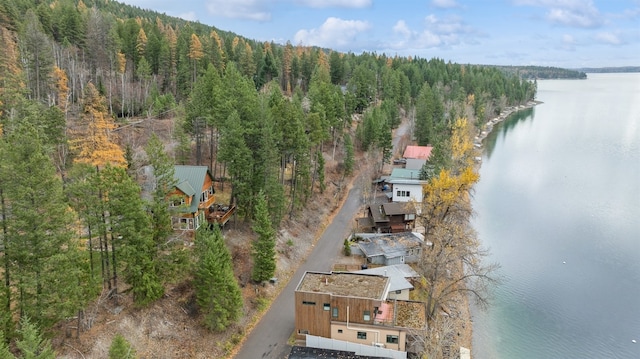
[542, 72]
[610, 69]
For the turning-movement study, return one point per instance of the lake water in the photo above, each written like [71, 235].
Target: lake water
[558, 205]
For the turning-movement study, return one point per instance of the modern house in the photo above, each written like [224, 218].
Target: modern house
[192, 201]
[400, 275]
[388, 218]
[353, 307]
[392, 248]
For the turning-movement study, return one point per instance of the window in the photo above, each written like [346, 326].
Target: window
[302, 331]
[399, 193]
[409, 217]
[334, 312]
[367, 315]
[339, 331]
[398, 291]
[393, 339]
[326, 306]
[403, 193]
[308, 303]
[362, 335]
[177, 202]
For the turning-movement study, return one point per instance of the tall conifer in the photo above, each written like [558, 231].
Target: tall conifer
[217, 292]
[264, 247]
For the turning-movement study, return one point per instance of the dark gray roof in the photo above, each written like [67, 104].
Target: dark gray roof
[394, 208]
[390, 245]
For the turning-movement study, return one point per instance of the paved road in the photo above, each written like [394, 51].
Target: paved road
[268, 340]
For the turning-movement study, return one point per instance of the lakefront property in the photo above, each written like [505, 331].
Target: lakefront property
[355, 308]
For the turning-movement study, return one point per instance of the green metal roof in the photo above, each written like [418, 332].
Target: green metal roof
[190, 180]
[403, 173]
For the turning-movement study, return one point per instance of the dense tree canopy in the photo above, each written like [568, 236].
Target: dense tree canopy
[266, 118]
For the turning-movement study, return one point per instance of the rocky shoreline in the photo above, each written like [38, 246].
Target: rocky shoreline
[488, 127]
[465, 327]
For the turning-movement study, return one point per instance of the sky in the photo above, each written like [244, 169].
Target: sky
[561, 33]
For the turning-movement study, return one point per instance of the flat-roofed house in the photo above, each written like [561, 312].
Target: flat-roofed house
[352, 307]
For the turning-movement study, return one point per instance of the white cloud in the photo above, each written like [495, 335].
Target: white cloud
[445, 4]
[608, 38]
[256, 10]
[354, 4]
[334, 33]
[573, 13]
[437, 32]
[401, 28]
[189, 16]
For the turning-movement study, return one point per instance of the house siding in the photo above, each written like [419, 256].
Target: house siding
[375, 334]
[312, 318]
[415, 191]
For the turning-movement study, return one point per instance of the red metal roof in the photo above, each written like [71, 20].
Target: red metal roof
[421, 152]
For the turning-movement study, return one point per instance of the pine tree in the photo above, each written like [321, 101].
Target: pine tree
[217, 292]
[5, 353]
[32, 345]
[131, 237]
[40, 248]
[349, 158]
[121, 348]
[264, 247]
[164, 181]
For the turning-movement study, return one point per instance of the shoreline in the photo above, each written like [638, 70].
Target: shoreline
[486, 129]
[467, 330]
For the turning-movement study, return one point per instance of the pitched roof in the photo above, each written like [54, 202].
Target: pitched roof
[391, 245]
[190, 180]
[397, 273]
[395, 208]
[417, 152]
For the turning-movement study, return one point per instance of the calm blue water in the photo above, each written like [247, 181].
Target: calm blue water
[558, 205]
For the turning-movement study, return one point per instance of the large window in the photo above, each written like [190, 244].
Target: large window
[326, 306]
[334, 312]
[393, 339]
[367, 315]
[362, 335]
[403, 193]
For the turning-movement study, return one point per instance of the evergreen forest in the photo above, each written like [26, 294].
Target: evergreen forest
[265, 118]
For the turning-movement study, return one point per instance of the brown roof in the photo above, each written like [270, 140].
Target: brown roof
[394, 208]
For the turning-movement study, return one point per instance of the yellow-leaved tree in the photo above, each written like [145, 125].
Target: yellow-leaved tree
[451, 264]
[195, 53]
[62, 88]
[95, 144]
